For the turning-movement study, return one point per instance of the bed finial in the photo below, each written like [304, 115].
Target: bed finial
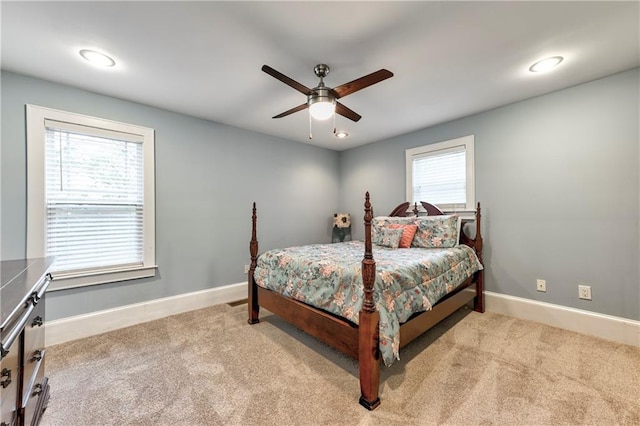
[253, 221]
[368, 215]
[478, 239]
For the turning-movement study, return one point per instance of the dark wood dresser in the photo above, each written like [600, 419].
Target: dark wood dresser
[24, 390]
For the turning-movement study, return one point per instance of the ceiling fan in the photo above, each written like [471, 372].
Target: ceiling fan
[322, 101]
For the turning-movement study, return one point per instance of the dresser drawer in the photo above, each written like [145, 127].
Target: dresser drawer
[35, 400]
[9, 379]
[33, 362]
[10, 371]
[9, 417]
[24, 390]
[33, 341]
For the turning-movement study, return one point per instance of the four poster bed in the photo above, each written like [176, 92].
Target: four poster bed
[428, 268]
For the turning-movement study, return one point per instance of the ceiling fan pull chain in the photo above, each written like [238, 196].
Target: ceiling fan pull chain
[334, 124]
[310, 134]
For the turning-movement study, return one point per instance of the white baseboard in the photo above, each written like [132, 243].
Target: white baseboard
[80, 326]
[607, 327]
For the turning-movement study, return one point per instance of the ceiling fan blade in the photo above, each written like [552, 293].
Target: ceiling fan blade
[361, 83]
[346, 112]
[292, 110]
[286, 80]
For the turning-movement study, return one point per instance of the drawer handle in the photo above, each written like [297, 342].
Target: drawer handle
[37, 355]
[37, 322]
[37, 389]
[16, 330]
[5, 373]
[36, 296]
[44, 287]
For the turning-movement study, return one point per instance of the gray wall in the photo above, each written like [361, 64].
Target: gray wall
[558, 180]
[207, 176]
[557, 176]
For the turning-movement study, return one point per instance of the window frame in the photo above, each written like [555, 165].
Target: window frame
[468, 142]
[36, 209]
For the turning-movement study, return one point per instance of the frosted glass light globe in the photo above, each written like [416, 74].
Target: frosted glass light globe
[322, 110]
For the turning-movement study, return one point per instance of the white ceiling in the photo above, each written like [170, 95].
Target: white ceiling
[450, 59]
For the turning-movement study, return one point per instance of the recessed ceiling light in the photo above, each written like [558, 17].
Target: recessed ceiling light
[342, 135]
[97, 58]
[546, 64]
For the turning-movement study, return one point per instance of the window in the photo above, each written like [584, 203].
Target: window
[90, 197]
[442, 174]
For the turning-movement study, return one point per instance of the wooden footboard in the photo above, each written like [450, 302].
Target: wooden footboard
[362, 341]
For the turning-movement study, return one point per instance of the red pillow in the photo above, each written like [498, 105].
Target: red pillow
[408, 232]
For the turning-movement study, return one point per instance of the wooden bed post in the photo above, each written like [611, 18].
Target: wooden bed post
[369, 318]
[254, 308]
[478, 304]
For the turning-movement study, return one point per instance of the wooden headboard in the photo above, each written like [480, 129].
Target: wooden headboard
[401, 210]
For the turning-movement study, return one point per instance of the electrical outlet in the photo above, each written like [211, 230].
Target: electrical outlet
[584, 292]
[246, 269]
[541, 285]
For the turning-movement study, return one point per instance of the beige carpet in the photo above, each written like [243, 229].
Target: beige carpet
[209, 367]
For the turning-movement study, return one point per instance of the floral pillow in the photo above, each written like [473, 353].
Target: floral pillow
[388, 237]
[437, 231]
[408, 232]
[380, 222]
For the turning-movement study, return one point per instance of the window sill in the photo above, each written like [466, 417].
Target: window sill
[62, 281]
[464, 214]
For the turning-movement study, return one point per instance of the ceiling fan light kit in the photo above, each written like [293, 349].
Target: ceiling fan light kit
[321, 104]
[322, 101]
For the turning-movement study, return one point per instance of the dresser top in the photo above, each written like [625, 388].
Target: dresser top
[18, 280]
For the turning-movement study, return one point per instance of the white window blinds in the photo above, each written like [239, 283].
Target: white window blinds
[94, 197]
[442, 173]
[440, 177]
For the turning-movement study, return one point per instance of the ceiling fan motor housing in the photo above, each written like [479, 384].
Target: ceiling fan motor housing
[321, 94]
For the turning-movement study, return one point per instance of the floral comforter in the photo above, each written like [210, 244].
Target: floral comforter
[329, 277]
